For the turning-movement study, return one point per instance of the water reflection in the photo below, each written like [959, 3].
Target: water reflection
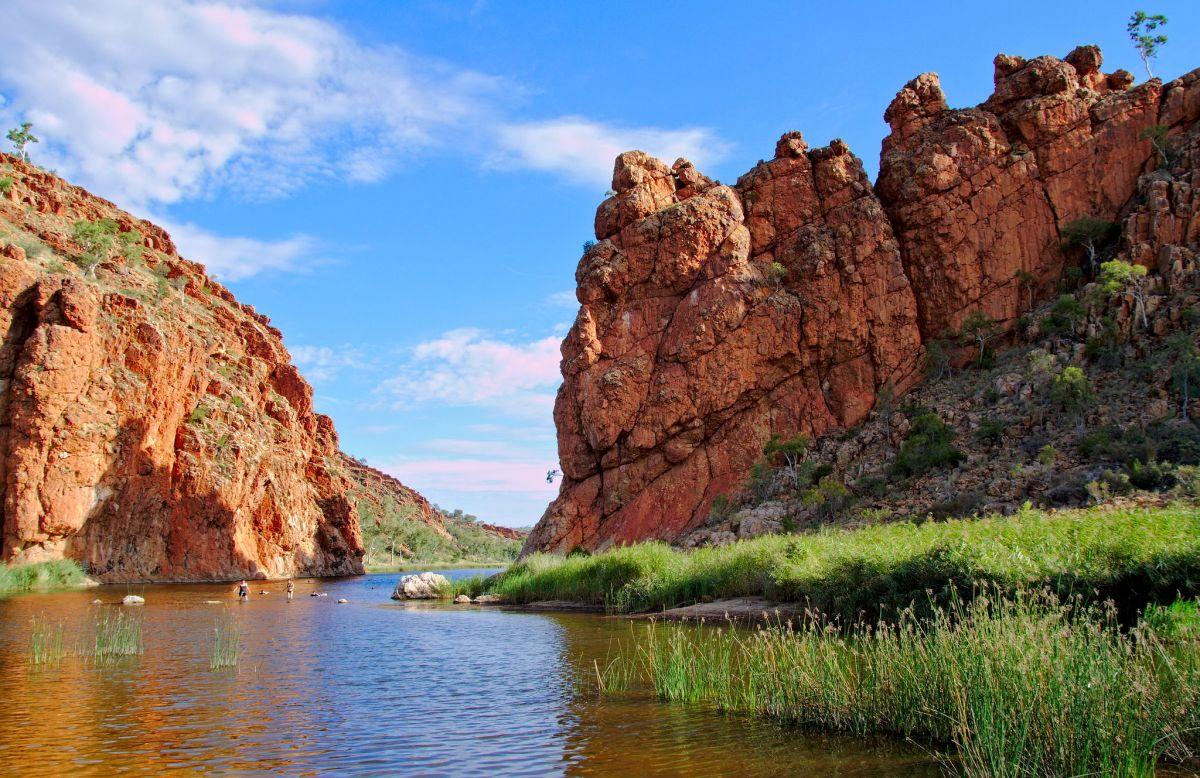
[367, 688]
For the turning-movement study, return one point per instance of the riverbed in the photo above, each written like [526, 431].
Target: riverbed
[369, 687]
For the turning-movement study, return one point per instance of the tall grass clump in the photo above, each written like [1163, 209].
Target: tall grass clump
[227, 645]
[117, 636]
[58, 574]
[46, 642]
[1130, 555]
[1004, 685]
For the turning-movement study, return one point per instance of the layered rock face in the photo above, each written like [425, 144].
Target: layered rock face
[713, 317]
[151, 427]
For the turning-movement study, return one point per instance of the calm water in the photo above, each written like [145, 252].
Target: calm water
[368, 688]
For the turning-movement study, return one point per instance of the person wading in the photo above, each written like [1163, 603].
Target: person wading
[243, 591]
[291, 589]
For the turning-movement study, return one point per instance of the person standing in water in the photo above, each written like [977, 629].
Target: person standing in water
[291, 588]
[243, 591]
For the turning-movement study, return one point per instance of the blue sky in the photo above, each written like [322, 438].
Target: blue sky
[404, 187]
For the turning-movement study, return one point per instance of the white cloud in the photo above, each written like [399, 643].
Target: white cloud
[323, 363]
[153, 102]
[232, 258]
[582, 150]
[469, 367]
[563, 299]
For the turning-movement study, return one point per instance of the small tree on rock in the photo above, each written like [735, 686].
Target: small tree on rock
[21, 137]
[97, 240]
[1070, 391]
[1091, 234]
[1119, 277]
[979, 329]
[1141, 29]
[1158, 135]
[792, 453]
[938, 361]
[1028, 283]
[1185, 374]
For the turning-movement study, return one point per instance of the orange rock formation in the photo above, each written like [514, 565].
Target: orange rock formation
[152, 427]
[713, 317]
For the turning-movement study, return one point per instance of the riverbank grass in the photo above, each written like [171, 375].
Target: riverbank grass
[1132, 556]
[40, 576]
[1005, 685]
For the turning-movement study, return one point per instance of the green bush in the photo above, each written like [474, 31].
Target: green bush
[828, 498]
[1151, 476]
[928, 445]
[6, 185]
[1064, 317]
[990, 430]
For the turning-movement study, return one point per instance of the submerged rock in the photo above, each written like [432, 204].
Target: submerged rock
[490, 599]
[424, 586]
[133, 599]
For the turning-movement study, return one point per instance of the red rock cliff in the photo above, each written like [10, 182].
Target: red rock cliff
[151, 427]
[713, 317]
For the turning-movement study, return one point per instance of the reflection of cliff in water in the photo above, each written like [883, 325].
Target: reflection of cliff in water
[634, 734]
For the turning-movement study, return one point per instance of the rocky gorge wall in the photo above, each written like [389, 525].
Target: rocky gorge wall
[151, 426]
[713, 317]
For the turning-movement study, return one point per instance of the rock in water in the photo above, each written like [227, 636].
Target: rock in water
[133, 599]
[343, 601]
[461, 599]
[425, 586]
[490, 599]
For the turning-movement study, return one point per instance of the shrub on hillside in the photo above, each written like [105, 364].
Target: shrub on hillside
[929, 445]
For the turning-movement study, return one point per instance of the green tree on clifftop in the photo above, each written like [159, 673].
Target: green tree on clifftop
[21, 137]
[1141, 27]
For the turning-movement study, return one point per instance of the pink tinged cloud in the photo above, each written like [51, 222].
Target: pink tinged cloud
[476, 475]
[467, 367]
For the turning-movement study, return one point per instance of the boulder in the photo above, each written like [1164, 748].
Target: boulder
[423, 586]
[462, 599]
[490, 599]
[133, 599]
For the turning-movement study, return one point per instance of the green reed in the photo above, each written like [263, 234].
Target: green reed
[1004, 685]
[46, 642]
[116, 635]
[227, 645]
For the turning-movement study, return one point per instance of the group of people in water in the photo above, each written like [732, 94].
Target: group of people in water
[243, 590]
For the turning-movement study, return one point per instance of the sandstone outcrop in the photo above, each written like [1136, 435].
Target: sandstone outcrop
[714, 317]
[151, 426]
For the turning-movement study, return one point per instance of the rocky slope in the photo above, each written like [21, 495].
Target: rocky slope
[151, 426]
[714, 317]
